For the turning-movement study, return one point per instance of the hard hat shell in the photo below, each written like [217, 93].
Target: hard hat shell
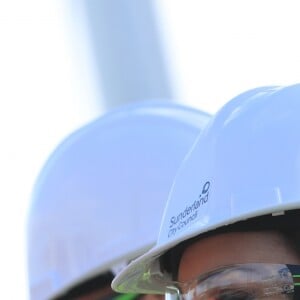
[245, 163]
[98, 200]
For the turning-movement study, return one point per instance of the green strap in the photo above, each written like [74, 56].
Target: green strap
[126, 297]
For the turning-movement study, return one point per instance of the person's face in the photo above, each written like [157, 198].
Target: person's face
[103, 293]
[107, 293]
[226, 249]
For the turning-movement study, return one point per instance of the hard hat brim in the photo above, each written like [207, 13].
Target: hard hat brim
[143, 274]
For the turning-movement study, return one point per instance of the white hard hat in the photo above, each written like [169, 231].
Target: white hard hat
[99, 199]
[245, 163]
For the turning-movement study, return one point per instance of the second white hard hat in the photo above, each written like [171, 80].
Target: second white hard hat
[99, 199]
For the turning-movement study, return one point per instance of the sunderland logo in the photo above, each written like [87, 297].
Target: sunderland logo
[190, 213]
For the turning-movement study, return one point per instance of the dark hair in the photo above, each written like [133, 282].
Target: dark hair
[88, 286]
[287, 224]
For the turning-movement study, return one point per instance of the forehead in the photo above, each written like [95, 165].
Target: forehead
[224, 249]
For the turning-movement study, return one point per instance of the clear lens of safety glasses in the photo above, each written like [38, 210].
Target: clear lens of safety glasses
[241, 282]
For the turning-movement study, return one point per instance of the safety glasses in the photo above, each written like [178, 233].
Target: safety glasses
[241, 282]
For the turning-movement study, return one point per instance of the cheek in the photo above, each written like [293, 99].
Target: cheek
[152, 297]
[98, 294]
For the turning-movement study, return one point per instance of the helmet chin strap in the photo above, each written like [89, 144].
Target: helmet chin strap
[295, 270]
